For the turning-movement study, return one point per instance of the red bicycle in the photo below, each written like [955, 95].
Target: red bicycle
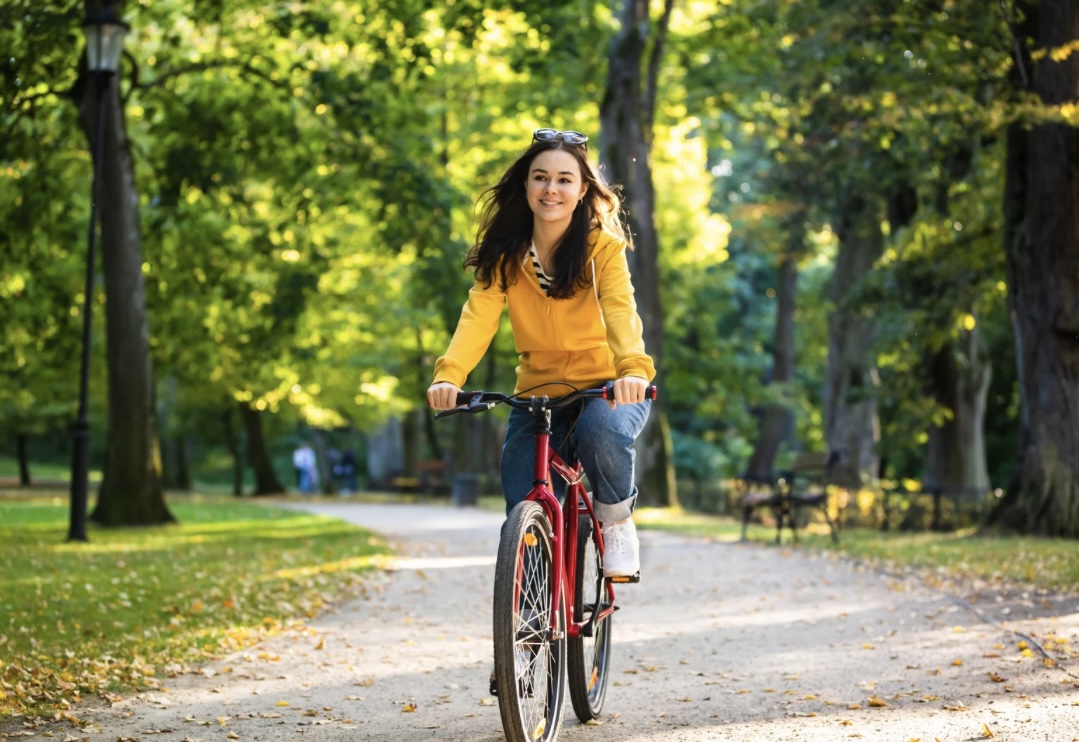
[550, 556]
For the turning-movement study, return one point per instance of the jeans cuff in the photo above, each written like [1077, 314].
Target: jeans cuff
[614, 513]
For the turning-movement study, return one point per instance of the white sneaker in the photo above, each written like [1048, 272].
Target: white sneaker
[621, 549]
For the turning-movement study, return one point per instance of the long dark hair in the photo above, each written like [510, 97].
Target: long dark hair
[505, 229]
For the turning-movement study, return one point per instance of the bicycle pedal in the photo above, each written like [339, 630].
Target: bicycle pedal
[626, 579]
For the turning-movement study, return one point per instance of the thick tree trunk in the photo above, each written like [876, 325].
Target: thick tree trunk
[266, 481]
[22, 457]
[777, 419]
[959, 377]
[850, 397]
[1042, 219]
[626, 120]
[131, 491]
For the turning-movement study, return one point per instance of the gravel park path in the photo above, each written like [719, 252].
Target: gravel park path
[720, 641]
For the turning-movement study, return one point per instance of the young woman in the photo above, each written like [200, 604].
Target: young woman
[551, 245]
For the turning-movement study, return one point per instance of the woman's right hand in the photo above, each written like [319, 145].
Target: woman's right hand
[442, 396]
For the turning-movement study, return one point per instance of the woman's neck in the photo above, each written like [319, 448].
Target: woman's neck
[546, 235]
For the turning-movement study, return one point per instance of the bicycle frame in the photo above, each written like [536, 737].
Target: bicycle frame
[565, 529]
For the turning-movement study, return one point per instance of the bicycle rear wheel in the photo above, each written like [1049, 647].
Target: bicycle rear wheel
[530, 674]
[589, 656]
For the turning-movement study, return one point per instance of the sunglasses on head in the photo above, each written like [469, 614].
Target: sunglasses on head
[552, 135]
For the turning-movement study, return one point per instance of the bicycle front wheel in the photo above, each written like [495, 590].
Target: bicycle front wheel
[530, 672]
[590, 653]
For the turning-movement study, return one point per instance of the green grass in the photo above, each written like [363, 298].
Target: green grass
[134, 604]
[1049, 563]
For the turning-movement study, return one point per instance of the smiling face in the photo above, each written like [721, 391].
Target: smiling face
[554, 186]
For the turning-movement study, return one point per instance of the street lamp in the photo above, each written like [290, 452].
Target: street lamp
[104, 45]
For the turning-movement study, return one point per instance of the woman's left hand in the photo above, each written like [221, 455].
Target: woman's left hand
[628, 390]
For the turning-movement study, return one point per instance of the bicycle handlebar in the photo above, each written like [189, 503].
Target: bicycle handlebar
[480, 401]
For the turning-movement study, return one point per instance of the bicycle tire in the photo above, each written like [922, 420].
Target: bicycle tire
[530, 674]
[589, 657]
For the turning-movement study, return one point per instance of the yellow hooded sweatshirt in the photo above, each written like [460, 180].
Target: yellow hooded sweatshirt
[591, 338]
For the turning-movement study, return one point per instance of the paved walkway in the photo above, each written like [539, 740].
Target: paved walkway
[719, 642]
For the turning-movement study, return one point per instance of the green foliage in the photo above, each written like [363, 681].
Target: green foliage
[308, 175]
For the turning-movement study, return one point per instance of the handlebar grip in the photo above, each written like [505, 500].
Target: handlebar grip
[463, 398]
[650, 393]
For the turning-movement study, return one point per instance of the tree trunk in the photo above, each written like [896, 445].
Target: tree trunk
[21, 456]
[233, 447]
[131, 491]
[323, 462]
[1042, 220]
[626, 120]
[959, 376]
[850, 403]
[174, 471]
[385, 455]
[266, 481]
[777, 419]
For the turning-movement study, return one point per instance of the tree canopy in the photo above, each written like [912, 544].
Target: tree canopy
[306, 178]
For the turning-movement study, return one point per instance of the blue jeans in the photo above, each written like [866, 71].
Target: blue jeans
[603, 441]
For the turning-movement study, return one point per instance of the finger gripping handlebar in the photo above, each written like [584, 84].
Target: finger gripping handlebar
[650, 393]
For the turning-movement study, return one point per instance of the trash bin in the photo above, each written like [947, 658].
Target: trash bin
[466, 489]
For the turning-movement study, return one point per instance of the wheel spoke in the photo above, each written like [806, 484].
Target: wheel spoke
[528, 661]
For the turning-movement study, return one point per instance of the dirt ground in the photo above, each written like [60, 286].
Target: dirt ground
[719, 642]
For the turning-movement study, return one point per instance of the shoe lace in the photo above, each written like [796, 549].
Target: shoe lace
[616, 539]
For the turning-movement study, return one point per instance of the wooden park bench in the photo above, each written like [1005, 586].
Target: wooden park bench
[804, 485]
[428, 477]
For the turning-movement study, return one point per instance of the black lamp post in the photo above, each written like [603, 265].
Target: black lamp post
[104, 45]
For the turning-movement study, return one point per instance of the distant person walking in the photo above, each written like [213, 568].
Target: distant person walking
[346, 472]
[303, 460]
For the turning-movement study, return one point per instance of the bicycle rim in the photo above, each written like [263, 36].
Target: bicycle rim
[589, 656]
[529, 664]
